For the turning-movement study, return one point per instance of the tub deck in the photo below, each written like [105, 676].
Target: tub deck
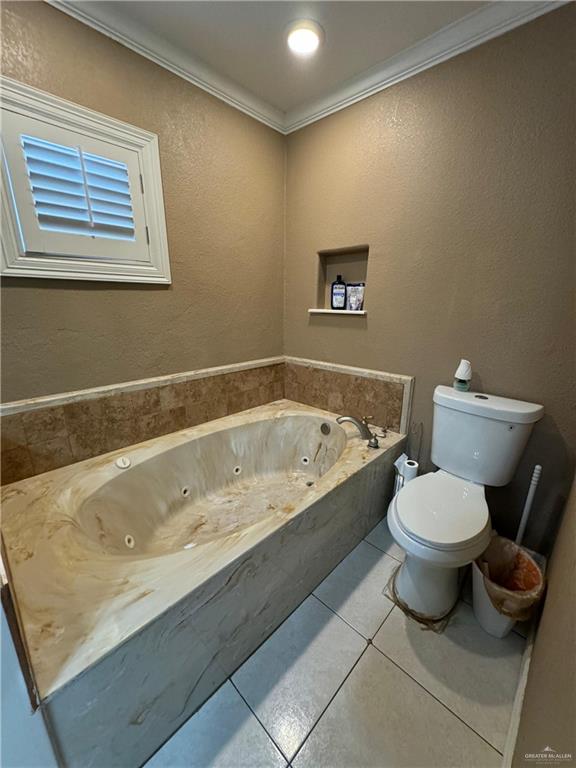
[77, 601]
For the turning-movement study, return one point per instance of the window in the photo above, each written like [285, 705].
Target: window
[81, 193]
[78, 193]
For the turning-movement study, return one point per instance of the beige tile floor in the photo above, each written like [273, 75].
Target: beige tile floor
[347, 681]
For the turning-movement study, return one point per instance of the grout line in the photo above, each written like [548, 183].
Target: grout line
[384, 619]
[229, 680]
[182, 725]
[367, 642]
[310, 594]
[383, 551]
[238, 691]
[366, 639]
[446, 707]
[268, 637]
[336, 692]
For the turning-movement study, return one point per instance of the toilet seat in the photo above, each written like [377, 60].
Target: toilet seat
[443, 511]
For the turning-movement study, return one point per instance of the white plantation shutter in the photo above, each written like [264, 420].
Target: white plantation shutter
[77, 192]
[81, 196]
[109, 197]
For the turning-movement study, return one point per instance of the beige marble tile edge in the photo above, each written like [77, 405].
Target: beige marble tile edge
[35, 403]
[368, 373]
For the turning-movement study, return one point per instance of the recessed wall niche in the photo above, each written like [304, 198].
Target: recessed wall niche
[350, 262]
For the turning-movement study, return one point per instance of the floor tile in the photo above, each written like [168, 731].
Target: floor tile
[381, 537]
[381, 717]
[222, 734]
[291, 678]
[355, 588]
[471, 672]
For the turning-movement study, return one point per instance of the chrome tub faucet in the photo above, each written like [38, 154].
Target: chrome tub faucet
[362, 427]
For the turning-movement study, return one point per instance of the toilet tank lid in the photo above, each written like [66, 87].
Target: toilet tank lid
[489, 406]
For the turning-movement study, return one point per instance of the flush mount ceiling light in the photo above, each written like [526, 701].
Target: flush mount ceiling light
[304, 37]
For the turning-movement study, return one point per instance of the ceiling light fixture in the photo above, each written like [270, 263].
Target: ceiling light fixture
[304, 37]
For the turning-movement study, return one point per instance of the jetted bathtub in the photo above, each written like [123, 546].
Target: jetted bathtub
[143, 578]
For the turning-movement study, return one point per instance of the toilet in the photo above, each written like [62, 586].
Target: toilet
[441, 519]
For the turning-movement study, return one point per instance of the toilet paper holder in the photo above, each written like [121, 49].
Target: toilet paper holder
[406, 470]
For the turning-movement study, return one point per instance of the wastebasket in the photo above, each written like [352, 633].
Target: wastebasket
[507, 585]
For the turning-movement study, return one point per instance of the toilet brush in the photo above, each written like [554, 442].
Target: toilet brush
[528, 505]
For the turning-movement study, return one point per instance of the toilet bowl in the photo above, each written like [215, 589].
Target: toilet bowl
[442, 523]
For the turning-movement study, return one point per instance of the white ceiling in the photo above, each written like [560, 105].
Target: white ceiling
[246, 42]
[238, 51]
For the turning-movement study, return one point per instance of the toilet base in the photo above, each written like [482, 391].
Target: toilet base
[427, 589]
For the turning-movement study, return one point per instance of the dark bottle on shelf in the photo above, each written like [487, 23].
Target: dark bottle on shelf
[338, 294]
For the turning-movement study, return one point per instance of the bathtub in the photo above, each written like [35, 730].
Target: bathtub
[143, 578]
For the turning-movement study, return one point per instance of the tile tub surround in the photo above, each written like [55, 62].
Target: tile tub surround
[45, 433]
[342, 389]
[197, 613]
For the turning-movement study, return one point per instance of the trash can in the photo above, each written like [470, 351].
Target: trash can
[507, 585]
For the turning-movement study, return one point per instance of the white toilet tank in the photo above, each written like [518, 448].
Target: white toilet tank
[480, 437]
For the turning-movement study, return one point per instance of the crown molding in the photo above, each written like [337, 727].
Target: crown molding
[104, 18]
[484, 24]
[478, 27]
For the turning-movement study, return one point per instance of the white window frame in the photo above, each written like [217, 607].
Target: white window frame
[57, 113]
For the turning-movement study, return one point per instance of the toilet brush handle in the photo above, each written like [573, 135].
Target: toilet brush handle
[528, 504]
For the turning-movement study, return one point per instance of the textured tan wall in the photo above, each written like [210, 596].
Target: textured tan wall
[549, 710]
[461, 180]
[223, 189]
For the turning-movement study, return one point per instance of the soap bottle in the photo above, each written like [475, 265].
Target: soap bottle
[338, 294]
